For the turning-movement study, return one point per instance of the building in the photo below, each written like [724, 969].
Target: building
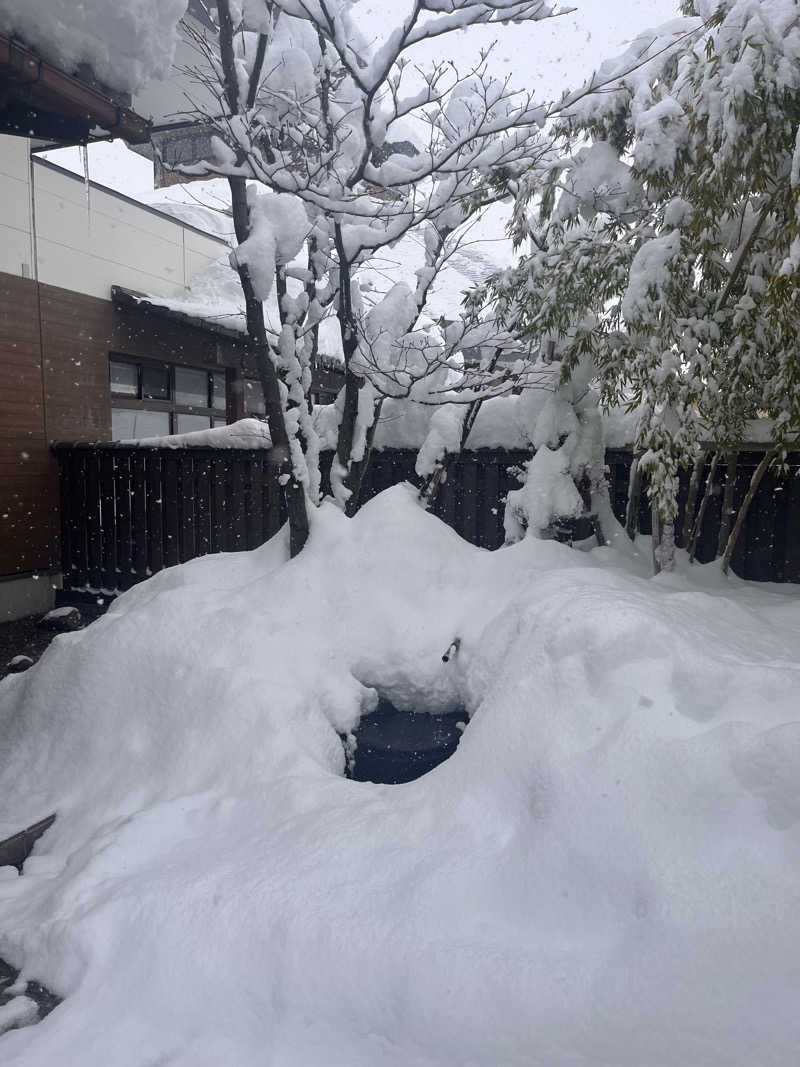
[83, 358]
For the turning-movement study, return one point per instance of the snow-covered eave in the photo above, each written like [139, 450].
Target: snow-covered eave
[46, 87]
[126, 299]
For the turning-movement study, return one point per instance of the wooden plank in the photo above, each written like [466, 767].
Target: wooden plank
[237, 509]
[470, 499]
[139, 554]
[187, 521]
[759, 563]
[124, 525]
[94, 520]
[169, 469]
[791, 572]
[218, 515]
[78, 576]
[155, 512]
[64, 484]
[254, 499]
[494, 517]
[202, 504]
[275, 503]
[454, 505]
[779, 528]
[108, 519]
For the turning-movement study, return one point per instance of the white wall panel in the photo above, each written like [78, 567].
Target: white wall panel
[87, 244]
[16, 249]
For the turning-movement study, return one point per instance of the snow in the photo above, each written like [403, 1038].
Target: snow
[604, 872]
[278, 229]
[503, 422]
[204, 205]
[17, 1012]
[126, 44]
[58, 613]
[548, 493]
[245, 433]
[650, 273]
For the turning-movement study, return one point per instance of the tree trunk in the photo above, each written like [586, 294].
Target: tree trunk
[351, 471]
[655, 539]
[436, 479]
[358, 468]
[254, 313]
[755, 481]
[727, 502]
[691, 500]
[698, 522]
[666, 547]
[663, 541]
[429, 489]
[294, 492]
[634, 498]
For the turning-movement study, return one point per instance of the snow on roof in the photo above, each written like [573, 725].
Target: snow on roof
[125, 44]
[204, 205]
[214, 297]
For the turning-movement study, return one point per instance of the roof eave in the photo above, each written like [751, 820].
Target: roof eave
[34, 80]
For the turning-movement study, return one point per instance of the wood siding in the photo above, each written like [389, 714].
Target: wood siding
[28, 477]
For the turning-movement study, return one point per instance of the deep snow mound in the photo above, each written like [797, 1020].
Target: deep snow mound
[604, 871]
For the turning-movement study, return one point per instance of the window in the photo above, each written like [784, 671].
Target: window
[191, 388]
[254, 399]
[323, 396]
[130, 424]
[254, 406]
[151, 399]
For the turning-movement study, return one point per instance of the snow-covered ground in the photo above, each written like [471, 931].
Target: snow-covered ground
[605, 872]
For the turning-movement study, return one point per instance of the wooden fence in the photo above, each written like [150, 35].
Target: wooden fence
[128, 512]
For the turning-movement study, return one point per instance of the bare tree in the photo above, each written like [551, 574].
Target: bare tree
[354, 147]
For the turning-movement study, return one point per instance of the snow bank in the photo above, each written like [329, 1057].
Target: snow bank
[605, 872]
[126, 44]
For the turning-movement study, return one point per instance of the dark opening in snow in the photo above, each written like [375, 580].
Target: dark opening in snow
[43, 1000]
[394, 746]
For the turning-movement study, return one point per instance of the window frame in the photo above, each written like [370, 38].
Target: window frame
[124, 401]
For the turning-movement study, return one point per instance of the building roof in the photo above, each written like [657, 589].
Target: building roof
[39, 100]
[128, 298]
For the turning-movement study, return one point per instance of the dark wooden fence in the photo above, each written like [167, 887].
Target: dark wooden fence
[128, 512]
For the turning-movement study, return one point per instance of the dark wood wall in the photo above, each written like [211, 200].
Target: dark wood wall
[27, 523]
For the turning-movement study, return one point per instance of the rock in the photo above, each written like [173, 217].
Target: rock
[61, 619]
[19, 664]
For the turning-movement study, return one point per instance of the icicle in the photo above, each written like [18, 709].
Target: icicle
[84, 149]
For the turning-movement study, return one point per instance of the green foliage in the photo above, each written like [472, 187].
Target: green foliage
[665, 240]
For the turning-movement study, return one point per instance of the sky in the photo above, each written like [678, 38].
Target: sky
[547, 57]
